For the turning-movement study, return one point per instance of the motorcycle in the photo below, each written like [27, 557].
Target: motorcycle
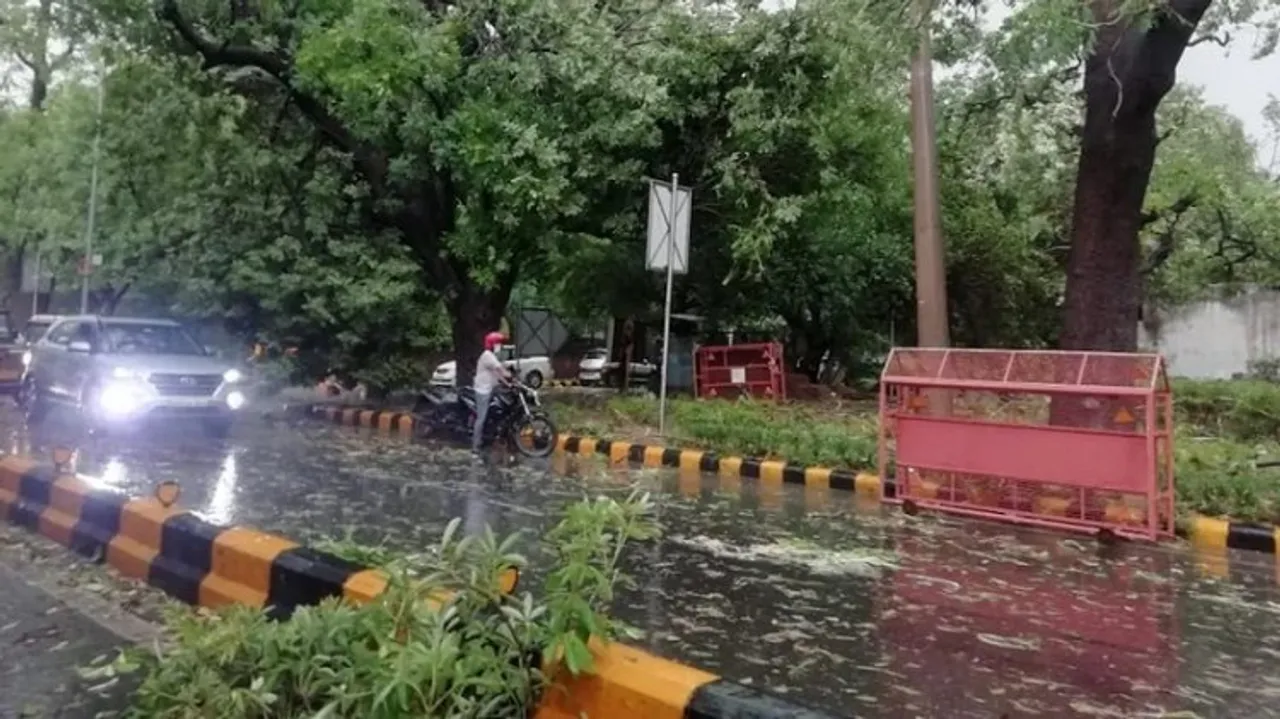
[515, 415]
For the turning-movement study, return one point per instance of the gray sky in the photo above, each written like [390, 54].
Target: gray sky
[1231, 79]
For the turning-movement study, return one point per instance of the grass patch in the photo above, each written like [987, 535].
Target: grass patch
[807, 434]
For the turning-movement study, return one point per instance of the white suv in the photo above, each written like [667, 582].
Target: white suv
[116, 370]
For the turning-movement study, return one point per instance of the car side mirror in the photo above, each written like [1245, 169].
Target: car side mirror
[80, 346]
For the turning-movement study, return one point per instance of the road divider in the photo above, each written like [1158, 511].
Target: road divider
[1215, 533]
[647, 455]
[155, 541]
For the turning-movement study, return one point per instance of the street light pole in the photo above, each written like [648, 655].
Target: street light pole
[87, 266]
[931, 273]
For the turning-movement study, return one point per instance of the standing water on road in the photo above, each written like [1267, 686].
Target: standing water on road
[852, 608]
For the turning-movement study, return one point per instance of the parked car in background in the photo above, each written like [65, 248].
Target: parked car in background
[115, 370]
[595, 368]
[533, 371]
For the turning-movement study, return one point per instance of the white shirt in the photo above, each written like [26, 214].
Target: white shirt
[489, 372]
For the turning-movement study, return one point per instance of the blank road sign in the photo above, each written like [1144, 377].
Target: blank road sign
[663, 218]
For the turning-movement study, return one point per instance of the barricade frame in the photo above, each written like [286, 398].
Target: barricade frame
[712, 362]
[1081, 468]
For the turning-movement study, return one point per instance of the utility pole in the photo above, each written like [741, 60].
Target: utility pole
[87, 268]
[931, 270]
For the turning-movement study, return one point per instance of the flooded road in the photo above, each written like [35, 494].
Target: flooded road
[852, 608]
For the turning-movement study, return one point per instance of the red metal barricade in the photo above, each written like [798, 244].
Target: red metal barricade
[1073, 440]
[757, 370]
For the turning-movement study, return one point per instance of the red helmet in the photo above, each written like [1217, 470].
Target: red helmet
[494, 339]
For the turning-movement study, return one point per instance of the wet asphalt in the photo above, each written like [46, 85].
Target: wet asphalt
[837, 603]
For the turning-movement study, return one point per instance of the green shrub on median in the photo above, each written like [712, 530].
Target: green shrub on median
[1247, 410]
[478, 656]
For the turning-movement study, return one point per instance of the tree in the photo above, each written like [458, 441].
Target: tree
[480, 131]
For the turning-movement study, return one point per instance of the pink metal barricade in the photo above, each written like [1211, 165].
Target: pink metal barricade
[1073, 440]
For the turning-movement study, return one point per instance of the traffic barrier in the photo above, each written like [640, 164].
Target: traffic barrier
[385, 420]
[202, 564]
[755, 370]
[767, 471]
[1068, 440]
[154, 541]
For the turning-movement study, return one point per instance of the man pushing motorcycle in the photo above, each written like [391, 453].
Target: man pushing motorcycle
[489, 375]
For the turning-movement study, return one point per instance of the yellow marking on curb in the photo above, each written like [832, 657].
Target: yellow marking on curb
[817, 477]
[58, 520]
[691, 459]
[731, 483]
[866, 483]
[618, 452]
[240, 567]
[587, 446]
[627, 682]
[771, 471]
[137, 542]
[405, 424]
[653, 455]
[1208, 531]
[366, 418]
[730, 466]
[362, 587]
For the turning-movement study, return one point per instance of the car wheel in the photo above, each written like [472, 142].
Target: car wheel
[533, 379]
[217, 428]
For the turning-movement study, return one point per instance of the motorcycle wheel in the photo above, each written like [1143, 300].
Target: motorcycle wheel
[534, 436]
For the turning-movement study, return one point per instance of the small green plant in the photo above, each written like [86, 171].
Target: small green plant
[481, 654]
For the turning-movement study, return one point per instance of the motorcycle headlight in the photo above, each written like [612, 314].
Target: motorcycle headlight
[232, 376]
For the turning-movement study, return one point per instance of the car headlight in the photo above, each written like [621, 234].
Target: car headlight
[232, 375]
[124, 373]
[117, 399]
[26, 358]
[235, 400]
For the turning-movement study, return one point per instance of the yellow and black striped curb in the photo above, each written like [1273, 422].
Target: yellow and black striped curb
[176, 551]
[765, 470]
[207, 565]
[563, 383]
[1215, 533]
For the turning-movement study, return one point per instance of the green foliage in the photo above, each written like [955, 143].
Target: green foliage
[1220, 477]
[478, 655]
[1242, 410]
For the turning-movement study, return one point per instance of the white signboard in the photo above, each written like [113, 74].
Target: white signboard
[738, 375]
[664, 221]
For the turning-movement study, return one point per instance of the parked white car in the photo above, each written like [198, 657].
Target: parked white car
[595, 368]
[533, 371]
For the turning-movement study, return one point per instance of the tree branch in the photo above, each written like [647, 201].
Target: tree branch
[371, 162]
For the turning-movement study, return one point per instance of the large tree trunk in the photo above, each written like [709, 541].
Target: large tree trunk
[475, 312]
[1131, 69]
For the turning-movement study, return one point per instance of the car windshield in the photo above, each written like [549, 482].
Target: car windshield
[143, 339]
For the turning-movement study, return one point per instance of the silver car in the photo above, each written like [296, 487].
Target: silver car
[115, 370]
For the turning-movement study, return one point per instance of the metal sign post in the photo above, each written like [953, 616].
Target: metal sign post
[667, 249]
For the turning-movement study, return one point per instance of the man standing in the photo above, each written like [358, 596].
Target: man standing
[489, 374]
